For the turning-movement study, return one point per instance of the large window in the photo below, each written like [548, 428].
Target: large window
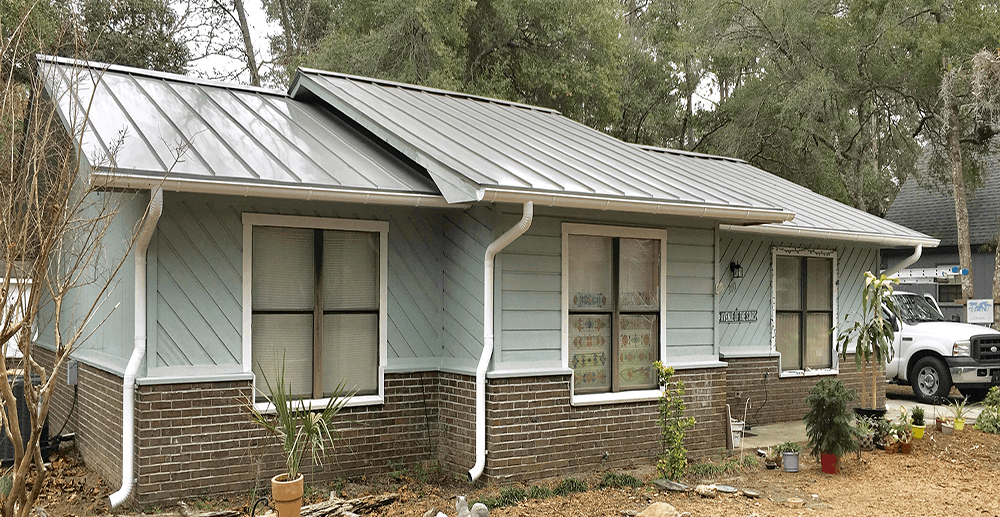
[614, 307]
[804, 310]
[317, 303]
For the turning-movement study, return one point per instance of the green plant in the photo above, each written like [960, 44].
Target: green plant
[872, 336]
[960, 408]
[569, 486]
[618, 480]
[539, 492]
[672, 462]
[918, 415]
[988, 420]
[789, 446]
[828, 425]
[993, 397]
[297, 426]
[731, 466]
[489, 502]
[863, 426]
[510, 496]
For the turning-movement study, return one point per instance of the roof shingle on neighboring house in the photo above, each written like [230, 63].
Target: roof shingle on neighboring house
[931, 211]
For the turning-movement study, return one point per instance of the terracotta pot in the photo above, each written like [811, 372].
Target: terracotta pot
[959, 424]
[918, 431]
[906, 448]
[829, 463]
[937, 423]
[287, 495]
[892, 448]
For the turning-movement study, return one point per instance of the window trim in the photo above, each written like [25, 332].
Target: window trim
[317, 223]
[610, 231]
[802, 252]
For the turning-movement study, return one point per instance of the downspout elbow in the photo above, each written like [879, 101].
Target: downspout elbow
[138, 351]
[484, 360]
[906, 262]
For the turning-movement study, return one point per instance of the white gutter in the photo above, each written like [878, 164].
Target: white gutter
[233, 187]
[905, 262]
[746, 215]
[840, 235]
[484, 360]
[128, 384]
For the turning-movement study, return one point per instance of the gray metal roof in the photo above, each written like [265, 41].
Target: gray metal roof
[932, 211]
[473, 146]
[227, 135]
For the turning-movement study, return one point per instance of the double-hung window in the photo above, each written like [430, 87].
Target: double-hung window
[804, 309]
[614, 302]
[317, 303]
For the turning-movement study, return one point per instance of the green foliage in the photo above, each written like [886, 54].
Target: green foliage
[988, 420]
[918, 415]
[569, 486]
[731, 466]
[872, 334]
[297, 426]
[510, 496]
[539, 492]
[672, 462]
[993, 397]
[828, 425]
[137, 33]
[619, 480]
[488, 502]
[789, 446]
[960, 408]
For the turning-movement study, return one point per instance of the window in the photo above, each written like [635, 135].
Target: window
[949, 293]
[614, 307]
[317, 297]
[804, 310]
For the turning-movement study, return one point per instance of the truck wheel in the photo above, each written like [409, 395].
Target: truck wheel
[930, 380]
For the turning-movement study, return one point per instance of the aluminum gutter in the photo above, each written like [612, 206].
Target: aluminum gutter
[841, 235]
[230, 187]
[746, 214]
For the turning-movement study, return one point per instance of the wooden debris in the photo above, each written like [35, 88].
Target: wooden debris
[347, 507]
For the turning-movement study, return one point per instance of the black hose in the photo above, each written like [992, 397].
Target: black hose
[253, 510]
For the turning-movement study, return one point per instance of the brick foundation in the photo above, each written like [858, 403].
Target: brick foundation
[533, 432]
[774, 399]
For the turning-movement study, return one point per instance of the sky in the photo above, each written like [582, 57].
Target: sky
[260, 29]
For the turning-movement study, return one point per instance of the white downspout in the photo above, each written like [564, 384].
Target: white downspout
[906, 262]
[128, 384]
[484, 361]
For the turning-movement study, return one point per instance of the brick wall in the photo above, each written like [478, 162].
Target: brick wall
[774, 399]
[62, 395]
[454, 430]
[534, 432]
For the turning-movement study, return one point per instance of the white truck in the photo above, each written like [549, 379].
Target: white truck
[932, 354]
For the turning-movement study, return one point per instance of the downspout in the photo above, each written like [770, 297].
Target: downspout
[484, 361]
[906, 262]
[128, 384]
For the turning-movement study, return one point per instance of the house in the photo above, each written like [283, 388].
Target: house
[492, 278]
[931, 210]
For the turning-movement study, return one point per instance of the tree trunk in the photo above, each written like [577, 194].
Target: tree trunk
[958, 186]
[247, 43]
[996, 287]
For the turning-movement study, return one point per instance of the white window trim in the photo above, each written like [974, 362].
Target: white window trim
[322, 223]
[611, 231]
[799, 252]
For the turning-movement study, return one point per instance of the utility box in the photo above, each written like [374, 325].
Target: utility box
[72, 371]
[6, 447]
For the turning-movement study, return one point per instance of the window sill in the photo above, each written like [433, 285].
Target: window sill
[613, 398]
[809, 373]
[319, 404]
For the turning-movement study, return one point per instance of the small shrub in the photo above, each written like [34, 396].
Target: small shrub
[918, 415]
[569, 486]
[789, 446]
[711, 469]
[988, 420]
[540, 492]
[672, 462]
[993, 397]
[511, 496]
[706, 470]
[618, 480]
[489, 502]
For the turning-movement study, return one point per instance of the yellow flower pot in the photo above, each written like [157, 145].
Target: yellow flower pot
[918, 431]
[959, 424]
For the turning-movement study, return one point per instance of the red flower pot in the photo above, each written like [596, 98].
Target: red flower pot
[829, 463]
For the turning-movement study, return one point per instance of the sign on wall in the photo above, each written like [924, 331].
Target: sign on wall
[979, 311]
[737, 316]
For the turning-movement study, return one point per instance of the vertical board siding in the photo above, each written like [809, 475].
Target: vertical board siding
[199, 273]
[464, 240]
[753, 291]
[531, 288]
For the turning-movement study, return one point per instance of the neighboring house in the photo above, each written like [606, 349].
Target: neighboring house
[931, 211]
[346, 230]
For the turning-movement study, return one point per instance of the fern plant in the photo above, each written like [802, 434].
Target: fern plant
[828, 425]
[673, 424]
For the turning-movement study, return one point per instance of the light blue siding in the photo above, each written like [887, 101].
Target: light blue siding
[753, 291]
[531, 286]
[196, 313]
[465, 238]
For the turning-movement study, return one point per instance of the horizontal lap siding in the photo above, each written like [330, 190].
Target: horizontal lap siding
[531, 284]
[198, 252]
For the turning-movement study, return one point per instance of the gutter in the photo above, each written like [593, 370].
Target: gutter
[484, 360]
[905, 262]
[841, 235]
[128, 384]
[739, 214]
[228, 187]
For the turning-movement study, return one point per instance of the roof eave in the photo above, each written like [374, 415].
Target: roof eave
[832, 234]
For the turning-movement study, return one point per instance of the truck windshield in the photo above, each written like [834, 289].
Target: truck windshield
[914, 309]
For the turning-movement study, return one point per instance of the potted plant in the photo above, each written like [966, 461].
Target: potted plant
[771, 458]
[960, 408]
[299, 428]
[790, 455]
[918, 422]
[871, 338]
[865, 431]
[828, 425]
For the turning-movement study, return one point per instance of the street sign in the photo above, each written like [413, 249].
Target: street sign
[979, 311]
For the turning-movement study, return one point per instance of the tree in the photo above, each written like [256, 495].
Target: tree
[213, 29]
[137, 33]
[52, 227]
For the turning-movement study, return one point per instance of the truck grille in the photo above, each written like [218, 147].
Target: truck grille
[986, 348]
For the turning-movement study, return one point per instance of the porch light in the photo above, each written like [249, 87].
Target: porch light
[736, 269]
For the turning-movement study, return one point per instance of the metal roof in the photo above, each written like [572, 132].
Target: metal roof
[477, 148]
[204, 136]
[932, 210]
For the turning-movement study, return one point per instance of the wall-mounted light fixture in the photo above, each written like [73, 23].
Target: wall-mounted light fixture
[736, 269]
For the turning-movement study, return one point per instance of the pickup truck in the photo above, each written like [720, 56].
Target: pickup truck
[932, 354]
